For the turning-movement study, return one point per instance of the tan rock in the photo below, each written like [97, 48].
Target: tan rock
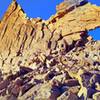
[50, 56]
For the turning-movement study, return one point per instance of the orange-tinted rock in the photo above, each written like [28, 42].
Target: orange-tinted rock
[50, 59]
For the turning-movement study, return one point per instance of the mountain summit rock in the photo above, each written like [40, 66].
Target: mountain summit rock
[54, 59]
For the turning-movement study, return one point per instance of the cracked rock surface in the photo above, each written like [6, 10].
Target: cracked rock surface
[52, 59]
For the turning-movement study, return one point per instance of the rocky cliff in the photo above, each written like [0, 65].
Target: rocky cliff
[52, 59]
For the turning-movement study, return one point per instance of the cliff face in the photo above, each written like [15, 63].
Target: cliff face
[50, 59]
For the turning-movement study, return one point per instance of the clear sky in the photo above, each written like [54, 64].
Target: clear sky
[43, 9]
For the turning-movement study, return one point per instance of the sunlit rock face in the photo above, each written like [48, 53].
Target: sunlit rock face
[54, 59]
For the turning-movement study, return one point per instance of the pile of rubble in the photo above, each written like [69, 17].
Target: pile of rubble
[50, 60]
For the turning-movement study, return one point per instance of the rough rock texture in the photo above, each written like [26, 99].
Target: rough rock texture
[54, 59]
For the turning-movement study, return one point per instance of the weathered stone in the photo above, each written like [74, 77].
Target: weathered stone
[52, 59]
[96, 96]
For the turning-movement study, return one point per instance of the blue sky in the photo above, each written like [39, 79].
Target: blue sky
[43, 9]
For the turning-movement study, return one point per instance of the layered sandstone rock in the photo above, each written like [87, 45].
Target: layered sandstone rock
[52, 59]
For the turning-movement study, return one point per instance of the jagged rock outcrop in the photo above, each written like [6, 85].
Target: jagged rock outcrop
[52, 59]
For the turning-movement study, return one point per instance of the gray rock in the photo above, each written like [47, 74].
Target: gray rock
[75, 2]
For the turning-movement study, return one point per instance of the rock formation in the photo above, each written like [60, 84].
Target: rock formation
[52, 59]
